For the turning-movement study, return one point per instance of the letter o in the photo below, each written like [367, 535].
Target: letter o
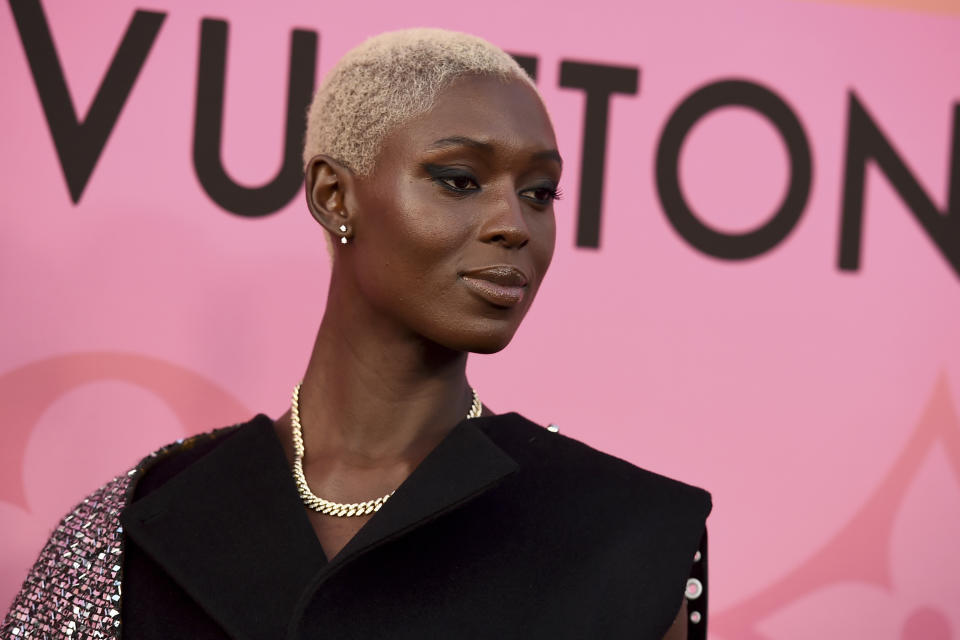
[736, 246]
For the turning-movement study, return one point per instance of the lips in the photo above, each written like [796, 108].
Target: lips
[501, 285]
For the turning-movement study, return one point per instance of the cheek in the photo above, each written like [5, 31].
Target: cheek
[545, 233]
[430, 233]
[413, 236]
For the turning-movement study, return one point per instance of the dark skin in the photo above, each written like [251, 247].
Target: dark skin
[468, 185]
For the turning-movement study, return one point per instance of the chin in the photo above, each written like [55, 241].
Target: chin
[480, 341]
[490, 346]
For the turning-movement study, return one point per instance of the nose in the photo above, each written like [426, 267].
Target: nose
[506, 224]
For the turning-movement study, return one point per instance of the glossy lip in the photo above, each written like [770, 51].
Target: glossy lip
[502, 285]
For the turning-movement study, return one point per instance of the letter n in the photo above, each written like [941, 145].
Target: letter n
[865, 142]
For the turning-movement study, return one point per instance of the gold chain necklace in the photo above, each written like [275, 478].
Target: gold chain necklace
[329, 507]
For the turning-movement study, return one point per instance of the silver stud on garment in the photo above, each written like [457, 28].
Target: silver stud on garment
[697, 556]
[553, 428]
[695, 617]
[694, 589]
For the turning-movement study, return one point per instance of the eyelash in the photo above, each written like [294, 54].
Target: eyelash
[442, 180]
[553, 193]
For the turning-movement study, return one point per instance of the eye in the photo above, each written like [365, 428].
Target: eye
[543, 194]
[455, 179]
[459, 182]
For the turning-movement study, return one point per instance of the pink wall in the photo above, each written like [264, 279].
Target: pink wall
[819, 405]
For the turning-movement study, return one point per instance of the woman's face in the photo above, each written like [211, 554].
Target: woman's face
[454, 228]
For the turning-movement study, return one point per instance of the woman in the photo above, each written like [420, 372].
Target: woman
[388, 502]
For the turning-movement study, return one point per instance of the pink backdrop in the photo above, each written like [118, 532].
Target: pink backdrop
[819, 405]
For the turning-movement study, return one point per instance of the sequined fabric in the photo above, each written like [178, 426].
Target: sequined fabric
[74, 588]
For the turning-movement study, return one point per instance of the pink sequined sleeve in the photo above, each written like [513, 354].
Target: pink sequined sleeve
[73, 589]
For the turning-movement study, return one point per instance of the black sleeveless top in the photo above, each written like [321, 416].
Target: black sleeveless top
[505, 530]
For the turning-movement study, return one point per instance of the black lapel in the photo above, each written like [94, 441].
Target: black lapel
[231, 531]
[465, 464]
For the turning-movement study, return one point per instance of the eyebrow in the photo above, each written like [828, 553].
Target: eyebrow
[462, 141]
[550, 154]
[486, 147]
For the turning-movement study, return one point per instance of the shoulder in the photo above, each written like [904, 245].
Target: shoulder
[602, 496]
[621, 529]
[82, 559]
[79, 563]
[160, 466]
[579, 468]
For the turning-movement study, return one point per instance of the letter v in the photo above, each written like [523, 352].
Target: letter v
[79, 144]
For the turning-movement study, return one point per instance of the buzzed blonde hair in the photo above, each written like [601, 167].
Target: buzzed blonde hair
[389, 79]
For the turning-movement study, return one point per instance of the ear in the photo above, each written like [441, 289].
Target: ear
[326, 185]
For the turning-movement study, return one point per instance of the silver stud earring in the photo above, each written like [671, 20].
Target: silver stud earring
[343, 238]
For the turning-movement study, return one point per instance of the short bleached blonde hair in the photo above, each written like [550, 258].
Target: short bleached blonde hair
[389, 79]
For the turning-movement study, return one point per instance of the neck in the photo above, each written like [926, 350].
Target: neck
[374, 393]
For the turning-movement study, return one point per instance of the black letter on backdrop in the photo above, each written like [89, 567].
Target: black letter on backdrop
[79, 144]
[528, 64]
[865, 141]
[208, 124]
[599, 82]
[698, 104]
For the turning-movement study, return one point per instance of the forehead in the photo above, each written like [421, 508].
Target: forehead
[509, 116]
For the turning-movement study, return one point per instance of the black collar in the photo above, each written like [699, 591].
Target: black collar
[231, 530]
